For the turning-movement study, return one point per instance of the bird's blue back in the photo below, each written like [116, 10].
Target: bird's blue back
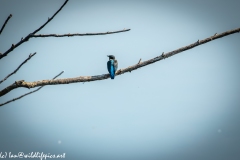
[111, 68]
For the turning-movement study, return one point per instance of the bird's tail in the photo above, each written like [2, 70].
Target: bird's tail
[112, 75]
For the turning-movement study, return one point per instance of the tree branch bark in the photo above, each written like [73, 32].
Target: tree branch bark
[22, 83]
[14, 99]
[29, 57]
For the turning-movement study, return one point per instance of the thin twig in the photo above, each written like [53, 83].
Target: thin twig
[29, 36]
[119, 72]
[14, 99]
[58, 75]
[5, 23]
[77, 34]
[162, 54]
[139, 61]
[29, 57]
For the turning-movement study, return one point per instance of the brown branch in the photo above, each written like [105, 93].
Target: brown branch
[14, 99]
[29, 36]
[119, 72]
[77, 34]
[29, 57]
[5, 23]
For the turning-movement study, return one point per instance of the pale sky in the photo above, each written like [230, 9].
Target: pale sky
[182, 108]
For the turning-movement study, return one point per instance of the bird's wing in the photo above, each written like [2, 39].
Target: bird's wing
[115, 65]
[109, 66]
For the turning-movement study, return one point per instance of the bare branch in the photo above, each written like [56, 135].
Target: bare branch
[77, 34]
[14, 99]
[29, 57]
[5, 23]
[29, 36]
[119, 72]
[49, 19]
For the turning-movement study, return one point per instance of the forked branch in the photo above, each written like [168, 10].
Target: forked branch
[33, 34]
[27, 37]
[22, 83]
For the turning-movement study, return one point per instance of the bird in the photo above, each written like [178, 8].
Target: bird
[112, 66]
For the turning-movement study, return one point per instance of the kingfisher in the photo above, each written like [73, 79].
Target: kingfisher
[112, 66]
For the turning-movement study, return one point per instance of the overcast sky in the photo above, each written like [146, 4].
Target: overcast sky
[182, 108]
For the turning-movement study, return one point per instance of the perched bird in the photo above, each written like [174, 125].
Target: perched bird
[112, 66]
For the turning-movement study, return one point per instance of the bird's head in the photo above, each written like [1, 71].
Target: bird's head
[111, 57]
